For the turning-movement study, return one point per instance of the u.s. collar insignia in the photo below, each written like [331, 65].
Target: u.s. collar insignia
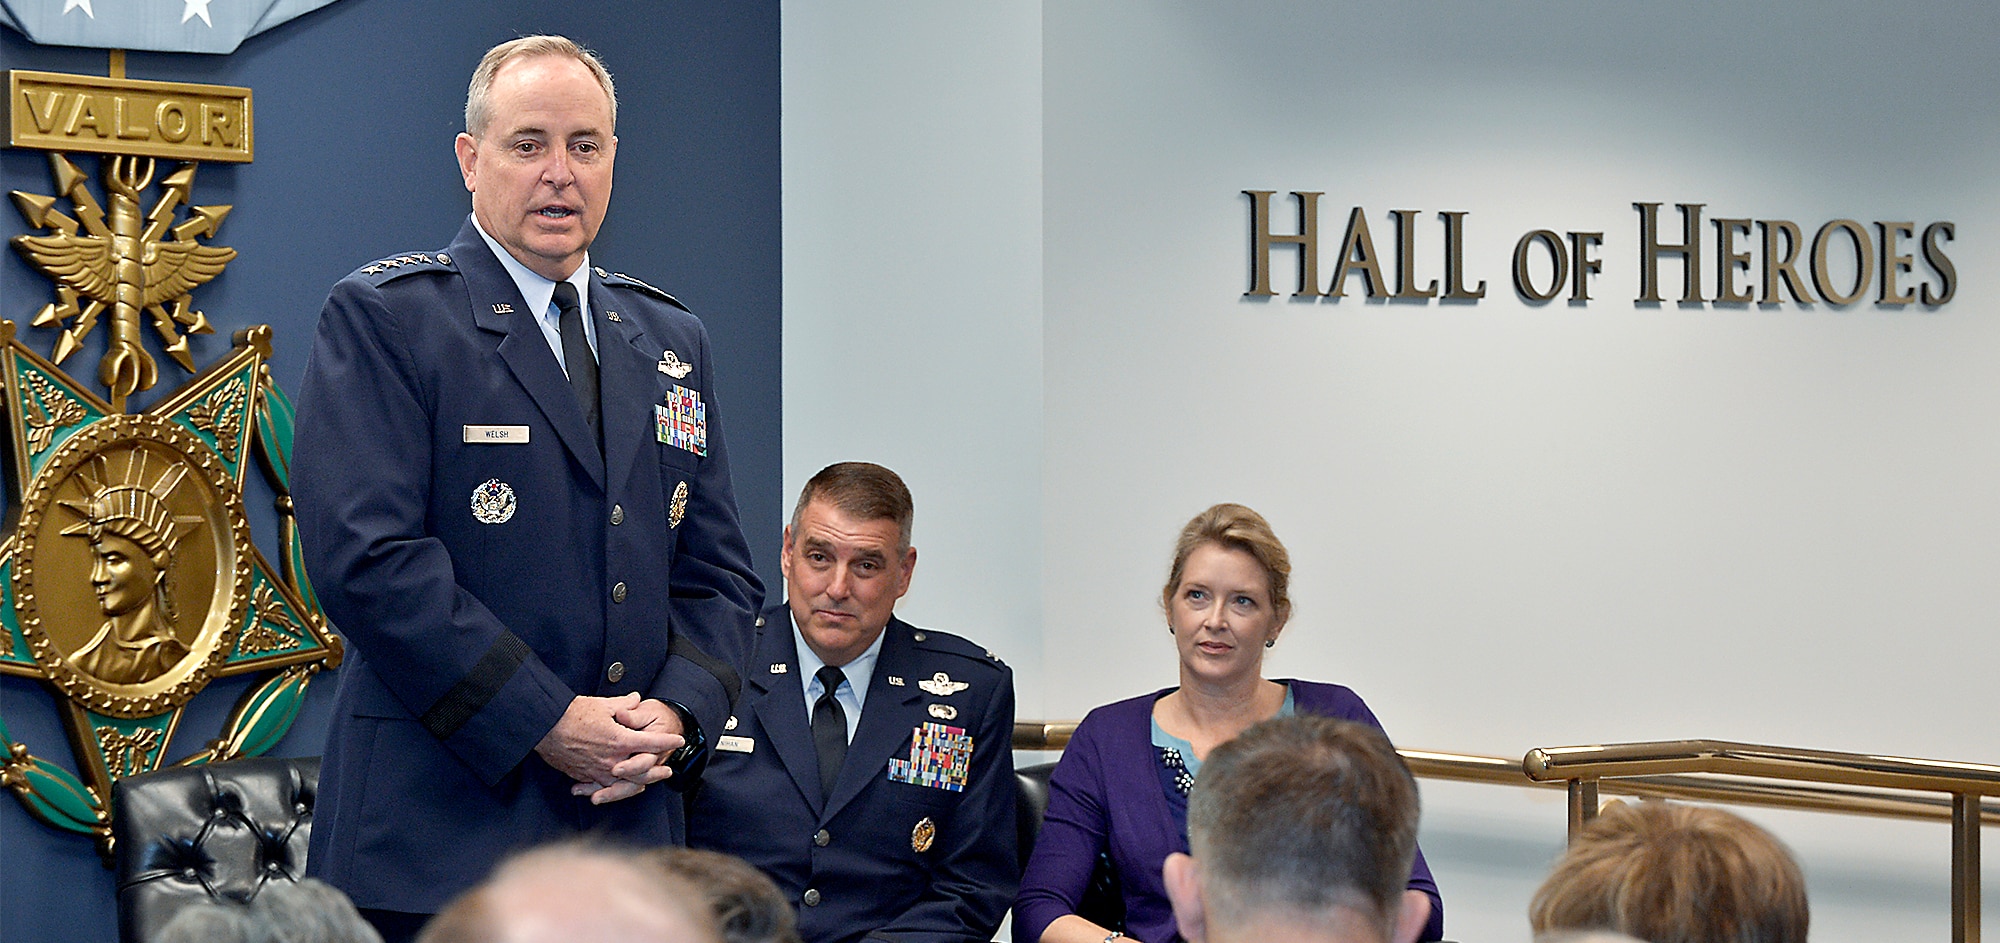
[671, 365]
[895, 681]
[493, 502]
[677, 510]
[923, 835]
[503, 308]
[941, 685]
[780, 668]
[944, 712]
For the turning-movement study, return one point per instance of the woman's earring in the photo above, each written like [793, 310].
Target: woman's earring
[1170, 628]
[1270, 642]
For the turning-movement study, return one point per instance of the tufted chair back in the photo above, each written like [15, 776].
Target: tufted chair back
[1103, 903]
[194, 835]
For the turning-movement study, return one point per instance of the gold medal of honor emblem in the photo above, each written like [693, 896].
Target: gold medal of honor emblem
[131, 573]
[130, 580]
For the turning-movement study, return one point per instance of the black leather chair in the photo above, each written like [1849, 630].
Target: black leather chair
[1102, 902]
[191, 836]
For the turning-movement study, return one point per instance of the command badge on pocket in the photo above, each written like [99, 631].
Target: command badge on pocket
[677, 509]
[493, 502]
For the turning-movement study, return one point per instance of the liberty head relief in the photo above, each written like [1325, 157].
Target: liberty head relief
[133, 531]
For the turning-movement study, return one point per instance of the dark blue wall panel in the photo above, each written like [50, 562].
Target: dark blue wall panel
[356, 105]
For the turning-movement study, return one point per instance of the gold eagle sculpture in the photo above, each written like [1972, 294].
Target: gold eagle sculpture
[123, 262]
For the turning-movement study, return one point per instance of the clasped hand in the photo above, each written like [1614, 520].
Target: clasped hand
[614, 747]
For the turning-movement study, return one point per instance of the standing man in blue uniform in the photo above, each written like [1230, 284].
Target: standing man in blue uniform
[514, 493]
[868, 768]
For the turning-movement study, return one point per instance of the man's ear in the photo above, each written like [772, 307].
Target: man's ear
[467, 150]
[1415, 914]
[1182, 876]
[785, 554]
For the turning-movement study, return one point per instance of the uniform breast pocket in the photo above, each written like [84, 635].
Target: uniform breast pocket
[924, 812]
[674, 459]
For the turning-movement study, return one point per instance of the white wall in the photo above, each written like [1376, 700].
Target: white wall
[913, 290]
[1514, 525]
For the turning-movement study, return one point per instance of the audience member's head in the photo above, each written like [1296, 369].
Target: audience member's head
[310, 911]
[221, 922]
[574, 891]
[748, 908]
[1586, 936]
[1675, 874]
[1301, 828]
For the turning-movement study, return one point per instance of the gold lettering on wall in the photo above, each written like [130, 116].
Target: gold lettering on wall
[1808, 271]
[176, 120]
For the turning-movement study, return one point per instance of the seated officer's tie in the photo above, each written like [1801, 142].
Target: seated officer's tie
[577, 358]
[829, 728]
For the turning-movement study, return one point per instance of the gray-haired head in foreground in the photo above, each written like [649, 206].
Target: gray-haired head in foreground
[310, 911]
[572, 892]
[1305, 814]
[748, 908]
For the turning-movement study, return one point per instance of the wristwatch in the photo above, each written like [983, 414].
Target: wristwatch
[1115, 934]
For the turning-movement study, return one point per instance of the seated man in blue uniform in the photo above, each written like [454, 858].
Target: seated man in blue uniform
[868, 768]
[515, 501]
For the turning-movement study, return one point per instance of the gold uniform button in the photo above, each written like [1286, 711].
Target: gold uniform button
[811, 897]
[617, 514]
[615, 673]
[821, 838]
[618, 592]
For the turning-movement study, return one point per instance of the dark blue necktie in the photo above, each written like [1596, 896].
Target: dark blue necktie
[829, 729]
[577, 358]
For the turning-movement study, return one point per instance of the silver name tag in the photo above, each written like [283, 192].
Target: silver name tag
[736, 744]
[497, 435]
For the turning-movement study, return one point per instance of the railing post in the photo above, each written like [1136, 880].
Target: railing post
[1964, 868]
[1583, 806]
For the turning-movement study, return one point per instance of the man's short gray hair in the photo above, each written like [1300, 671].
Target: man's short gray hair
[478, 110]
[1305, 814]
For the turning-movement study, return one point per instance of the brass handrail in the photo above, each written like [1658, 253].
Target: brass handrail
[1584, 769]
[1036, 735]
[1734, 790]
[1726, 772]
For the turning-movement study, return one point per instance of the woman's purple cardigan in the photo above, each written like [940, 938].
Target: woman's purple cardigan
[1105, 793]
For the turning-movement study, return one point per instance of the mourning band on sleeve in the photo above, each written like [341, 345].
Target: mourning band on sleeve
[732, 685]
[477, 687]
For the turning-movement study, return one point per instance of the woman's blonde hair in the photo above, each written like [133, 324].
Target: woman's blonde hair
[1237, 528]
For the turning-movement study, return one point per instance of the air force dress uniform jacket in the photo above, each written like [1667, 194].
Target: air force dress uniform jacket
[487, 562]
[917, 842]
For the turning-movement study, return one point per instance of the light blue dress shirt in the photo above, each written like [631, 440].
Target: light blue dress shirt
[540, 293]
[852, 692]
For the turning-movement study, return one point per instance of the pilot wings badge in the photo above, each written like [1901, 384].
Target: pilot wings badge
[941, 685]
[672, 365]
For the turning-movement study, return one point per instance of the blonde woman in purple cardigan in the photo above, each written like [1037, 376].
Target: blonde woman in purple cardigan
[1121, 786]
